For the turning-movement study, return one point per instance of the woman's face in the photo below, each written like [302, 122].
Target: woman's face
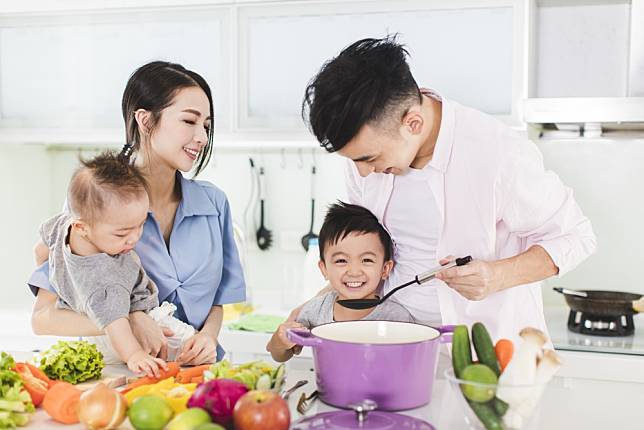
[182, 130]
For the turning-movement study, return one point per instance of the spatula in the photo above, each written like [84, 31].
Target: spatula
[419, 279]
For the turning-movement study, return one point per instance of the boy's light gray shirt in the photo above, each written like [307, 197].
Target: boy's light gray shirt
[319, 310]
[101, 286]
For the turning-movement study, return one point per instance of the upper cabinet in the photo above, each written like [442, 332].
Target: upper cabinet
[582, 49]
[588, 62]
[69, 70]
[64, 64]
[462, 49]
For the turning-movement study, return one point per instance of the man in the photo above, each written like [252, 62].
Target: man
[447, 180]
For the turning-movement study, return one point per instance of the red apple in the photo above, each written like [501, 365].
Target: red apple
[261, 410]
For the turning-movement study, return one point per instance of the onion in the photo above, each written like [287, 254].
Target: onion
[102, 408]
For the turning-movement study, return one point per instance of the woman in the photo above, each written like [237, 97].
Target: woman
[187, 245]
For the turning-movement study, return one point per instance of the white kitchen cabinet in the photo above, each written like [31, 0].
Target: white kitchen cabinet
[69, 71]
[464, 50]
[582, 48]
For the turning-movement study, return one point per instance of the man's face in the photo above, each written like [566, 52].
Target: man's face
[375, 150]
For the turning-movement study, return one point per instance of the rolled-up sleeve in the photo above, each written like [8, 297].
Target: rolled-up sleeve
[232, 288]
[539, 208]
[40, 279]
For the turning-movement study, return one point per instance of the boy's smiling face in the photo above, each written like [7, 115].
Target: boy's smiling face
[355, 265]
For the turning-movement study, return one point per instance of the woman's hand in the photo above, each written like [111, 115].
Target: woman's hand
[151, 336]
[199, 349]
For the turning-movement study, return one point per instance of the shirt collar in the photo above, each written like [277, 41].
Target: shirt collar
[194, 199]
[444, 142]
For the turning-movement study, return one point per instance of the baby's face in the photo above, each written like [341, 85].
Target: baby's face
[355, 265]
[120, 226]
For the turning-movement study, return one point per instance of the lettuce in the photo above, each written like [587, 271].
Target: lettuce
[72, 361]
[15, 401]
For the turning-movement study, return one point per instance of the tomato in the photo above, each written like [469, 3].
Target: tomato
[35, 381]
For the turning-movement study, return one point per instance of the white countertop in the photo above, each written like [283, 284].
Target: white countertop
[568, 403]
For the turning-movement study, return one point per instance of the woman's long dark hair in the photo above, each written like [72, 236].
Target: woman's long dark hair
[152, 87]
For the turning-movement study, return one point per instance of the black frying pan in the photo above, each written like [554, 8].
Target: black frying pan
[601, 303]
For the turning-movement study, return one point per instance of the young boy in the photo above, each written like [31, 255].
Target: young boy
[355, 256]
[91, 263]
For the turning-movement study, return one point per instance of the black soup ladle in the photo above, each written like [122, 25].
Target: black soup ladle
[419, 279]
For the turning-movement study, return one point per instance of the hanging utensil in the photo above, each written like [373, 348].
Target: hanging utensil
[264, 235]
[310, 235]
[250, 211]
[419, 279]
[603, 303]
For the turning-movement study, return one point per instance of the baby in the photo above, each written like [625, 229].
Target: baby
[355, 256]
[92, 265]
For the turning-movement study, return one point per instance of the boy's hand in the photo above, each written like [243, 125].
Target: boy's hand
[141, 361]
[282, 341]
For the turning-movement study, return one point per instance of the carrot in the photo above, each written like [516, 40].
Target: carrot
[504, 350]
[61, 402]
[197, 379]
[186, 375]
[173, 370]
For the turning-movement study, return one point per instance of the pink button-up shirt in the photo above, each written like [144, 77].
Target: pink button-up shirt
[495, 201]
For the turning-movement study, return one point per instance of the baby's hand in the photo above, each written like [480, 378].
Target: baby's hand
[283, 341]
[141, 361]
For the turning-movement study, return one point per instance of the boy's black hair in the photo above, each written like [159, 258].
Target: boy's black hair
[343, 219]
[368, 82]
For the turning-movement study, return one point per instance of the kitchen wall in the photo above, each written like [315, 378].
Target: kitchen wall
[605, 175]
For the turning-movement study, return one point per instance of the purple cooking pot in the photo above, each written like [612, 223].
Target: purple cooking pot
[391, 363]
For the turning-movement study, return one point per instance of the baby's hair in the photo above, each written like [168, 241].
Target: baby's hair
[343, 219]
[99, 179]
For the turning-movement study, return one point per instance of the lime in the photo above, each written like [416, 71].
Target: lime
[189, 419]
[149, 413]
[479, 374]
[209, 426]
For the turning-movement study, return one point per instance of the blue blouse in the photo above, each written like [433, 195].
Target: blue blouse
[200, 267]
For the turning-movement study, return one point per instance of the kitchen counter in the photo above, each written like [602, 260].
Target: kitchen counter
[570, 403]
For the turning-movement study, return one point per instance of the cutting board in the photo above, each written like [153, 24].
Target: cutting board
[112, 380]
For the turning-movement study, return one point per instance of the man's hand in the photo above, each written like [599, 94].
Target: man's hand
[151, 336]
[475, 280]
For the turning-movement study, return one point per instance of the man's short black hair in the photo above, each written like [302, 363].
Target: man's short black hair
[342, 219]
[368, 82]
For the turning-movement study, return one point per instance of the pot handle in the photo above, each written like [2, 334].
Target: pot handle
[303, 337]
[446, 332]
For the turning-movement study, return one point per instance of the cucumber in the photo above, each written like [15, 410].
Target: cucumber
[461, 351]
[485, 413]
[484, 347]
[500, 406]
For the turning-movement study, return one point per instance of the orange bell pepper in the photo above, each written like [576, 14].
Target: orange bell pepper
[35, 381]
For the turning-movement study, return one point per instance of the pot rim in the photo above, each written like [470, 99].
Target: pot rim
[326, 339]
